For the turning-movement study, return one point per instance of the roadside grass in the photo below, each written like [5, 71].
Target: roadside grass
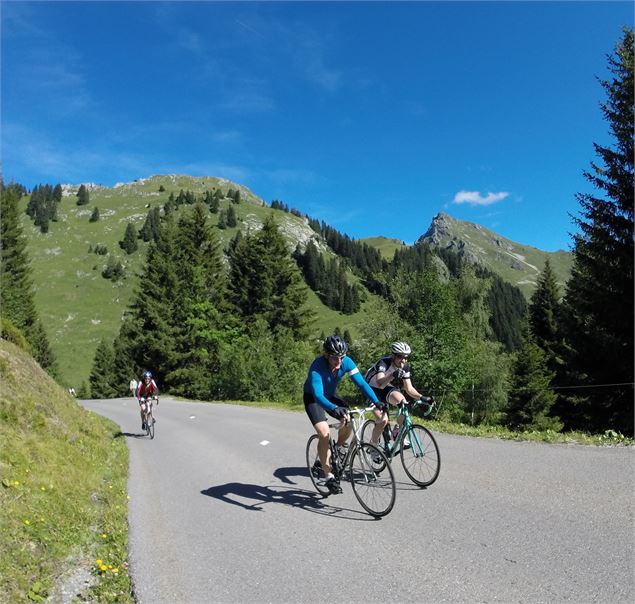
[63, 499]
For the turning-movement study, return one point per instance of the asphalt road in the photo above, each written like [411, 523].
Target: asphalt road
[222, 510]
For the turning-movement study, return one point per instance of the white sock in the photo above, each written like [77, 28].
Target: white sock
[330, 475]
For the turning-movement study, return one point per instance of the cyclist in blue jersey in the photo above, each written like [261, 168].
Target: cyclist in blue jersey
[320, 398]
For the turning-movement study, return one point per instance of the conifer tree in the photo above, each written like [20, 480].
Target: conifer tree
[231, 217]
[129, 243]
[16, 291]
[94, 217]
[598, 305]
[222, 220]
[200, 316]
[531, 396]
[544, 314]
[147, 337]
[265, 281]
[83, 196]
[101, 375]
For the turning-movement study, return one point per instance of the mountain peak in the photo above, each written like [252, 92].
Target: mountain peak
[517, 263]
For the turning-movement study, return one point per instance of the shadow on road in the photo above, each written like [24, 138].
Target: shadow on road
[130, 434]
[284, 473]
[297, 498]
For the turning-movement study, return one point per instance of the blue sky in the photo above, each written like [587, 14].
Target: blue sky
[371, 116]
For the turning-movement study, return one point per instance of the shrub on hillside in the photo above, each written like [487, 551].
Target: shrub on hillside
[12, 334]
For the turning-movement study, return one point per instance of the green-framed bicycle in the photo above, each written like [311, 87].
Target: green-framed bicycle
[414, 444]
[376, 493]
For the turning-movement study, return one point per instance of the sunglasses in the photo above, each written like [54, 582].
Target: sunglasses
[402, 356]
[335, 357]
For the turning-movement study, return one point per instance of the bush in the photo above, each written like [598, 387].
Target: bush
[12, 334]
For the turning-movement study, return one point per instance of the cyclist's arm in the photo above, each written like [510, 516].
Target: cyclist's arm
[411, 391]
[317, 390]
[382, 379]
[360, 382]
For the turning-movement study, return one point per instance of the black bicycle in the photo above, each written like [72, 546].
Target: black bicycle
[376, 493]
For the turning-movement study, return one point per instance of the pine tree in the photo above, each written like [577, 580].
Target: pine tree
[101, 375]
[129, 243]
[265, 281]
[544, 314]
[222, 219]
[83, 196]
[94, 217]
[531, 396]
[231, 217]
[598, 306]
[16, 292]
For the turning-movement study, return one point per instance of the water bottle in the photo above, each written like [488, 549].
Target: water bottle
[395, 431]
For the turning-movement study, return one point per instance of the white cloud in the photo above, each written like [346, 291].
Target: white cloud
[475, 198]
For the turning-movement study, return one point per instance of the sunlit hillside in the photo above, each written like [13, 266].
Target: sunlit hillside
[79, 307]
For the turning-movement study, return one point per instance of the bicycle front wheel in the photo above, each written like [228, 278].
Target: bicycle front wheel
[315, 467]
[375, 493]
[420, 456]
[150, 425]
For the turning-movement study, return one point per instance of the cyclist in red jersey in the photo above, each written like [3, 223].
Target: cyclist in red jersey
[146, 390]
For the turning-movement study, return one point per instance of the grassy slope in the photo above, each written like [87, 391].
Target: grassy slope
[79, 307]
[386, 246]
[63, 499]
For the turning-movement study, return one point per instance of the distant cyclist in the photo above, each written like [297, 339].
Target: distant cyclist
[325, 374]
[146, 391]
[389, 369]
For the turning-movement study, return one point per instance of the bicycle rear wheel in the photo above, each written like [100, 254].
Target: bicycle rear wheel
[375, 493]
[315, 467]
[421, 460]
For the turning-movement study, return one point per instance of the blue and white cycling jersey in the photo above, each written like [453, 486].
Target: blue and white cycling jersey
[321, 382]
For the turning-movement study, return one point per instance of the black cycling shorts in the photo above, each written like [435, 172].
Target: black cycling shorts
[315, 411]
[383, 393]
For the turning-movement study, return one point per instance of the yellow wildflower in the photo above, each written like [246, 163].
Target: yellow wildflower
[27, 522]
[103, 568]
[98, 562]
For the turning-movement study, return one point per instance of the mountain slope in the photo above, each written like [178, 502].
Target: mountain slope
[79, 307]
[516, 263]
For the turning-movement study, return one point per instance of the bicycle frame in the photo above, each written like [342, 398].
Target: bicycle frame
[392, 449]
[357, 419]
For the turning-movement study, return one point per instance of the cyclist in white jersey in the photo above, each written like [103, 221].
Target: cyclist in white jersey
[380, 377]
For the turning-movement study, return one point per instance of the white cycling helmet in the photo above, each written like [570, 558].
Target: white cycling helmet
[400, 348]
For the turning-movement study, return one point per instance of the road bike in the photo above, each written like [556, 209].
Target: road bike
[148, 418]
[414, 444]
[376, 493]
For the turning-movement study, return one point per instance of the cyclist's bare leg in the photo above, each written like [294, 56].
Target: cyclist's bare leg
[381, 422]
[395, 398]
[344, 433]
[324, 447]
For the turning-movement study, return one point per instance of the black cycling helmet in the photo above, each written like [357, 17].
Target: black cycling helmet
[335, 345]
